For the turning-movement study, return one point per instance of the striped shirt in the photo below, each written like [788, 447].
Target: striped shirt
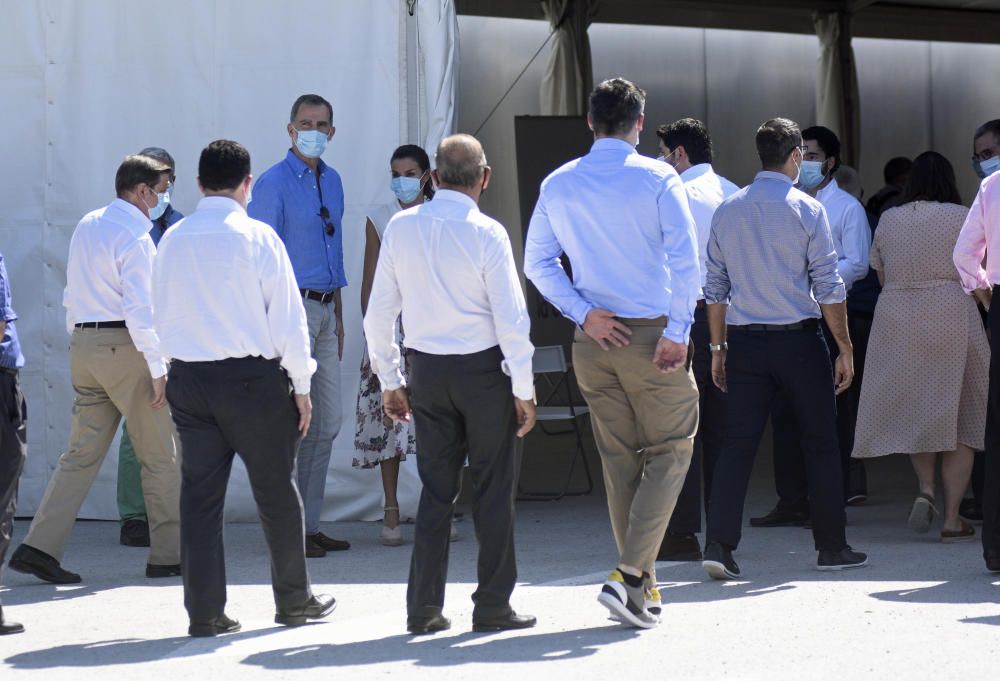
[771, 255]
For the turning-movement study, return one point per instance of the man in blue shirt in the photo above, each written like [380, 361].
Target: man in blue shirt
[772, 273]
[302, 198]
[131, 504]
[625, 223]
[13, 427]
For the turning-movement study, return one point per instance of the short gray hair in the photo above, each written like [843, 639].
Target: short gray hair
[460, 161]
[160, 154]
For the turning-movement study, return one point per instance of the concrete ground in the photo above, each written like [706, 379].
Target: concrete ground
[921, 610]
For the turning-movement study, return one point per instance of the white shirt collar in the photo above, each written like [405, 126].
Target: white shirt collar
[133, 212]
[458, 197]
[220, 203]
[696, 171]
[827, 191]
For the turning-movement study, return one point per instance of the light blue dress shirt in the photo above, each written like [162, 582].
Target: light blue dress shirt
[771, 256]
[286, 197]
[624, 222]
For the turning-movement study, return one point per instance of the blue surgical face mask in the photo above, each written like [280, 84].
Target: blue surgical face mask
[986, 168]
[810, 174]
[162, 201]
[310, 143]
[406, 189]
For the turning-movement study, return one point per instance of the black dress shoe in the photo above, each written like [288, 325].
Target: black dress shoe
[970, 510]
[780, 517]
[313, 549]
[328, 543]
[31, 561]
[844, 559]
[134, 533]
[427, 625]
[992, 562]
[719, 562]
[160, 571]
[679, 547]
[9, 627]
[317, 607]
[220, 625]
[504, 622]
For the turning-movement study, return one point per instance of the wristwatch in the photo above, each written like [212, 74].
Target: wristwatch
[712, 347]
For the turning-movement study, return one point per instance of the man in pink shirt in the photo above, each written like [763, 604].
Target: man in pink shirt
[979, 239]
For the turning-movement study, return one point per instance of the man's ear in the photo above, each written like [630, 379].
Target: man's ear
[487, 176]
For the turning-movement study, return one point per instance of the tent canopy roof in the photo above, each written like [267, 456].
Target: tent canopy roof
[962, 21]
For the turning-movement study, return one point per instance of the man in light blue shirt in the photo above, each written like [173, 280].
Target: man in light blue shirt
[772, 273]
[303, 199]
[624, 222]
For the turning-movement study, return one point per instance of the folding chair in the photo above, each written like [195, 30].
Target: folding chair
[549, 361]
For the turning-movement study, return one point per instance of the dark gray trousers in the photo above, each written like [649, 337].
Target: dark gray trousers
[220, 408]
[463, 405]
[13, 450]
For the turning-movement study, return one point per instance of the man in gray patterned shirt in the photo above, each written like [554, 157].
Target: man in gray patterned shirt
[772, 270]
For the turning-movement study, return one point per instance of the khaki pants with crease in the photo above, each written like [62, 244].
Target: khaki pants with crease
[111, 379]
[644, 424]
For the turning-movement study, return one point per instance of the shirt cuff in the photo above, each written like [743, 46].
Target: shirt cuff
[301, 384]
[580, 313]
[524, 389]
[677, 332]
[395, 382]
[157, 367]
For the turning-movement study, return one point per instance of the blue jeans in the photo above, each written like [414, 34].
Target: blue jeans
[313, 459]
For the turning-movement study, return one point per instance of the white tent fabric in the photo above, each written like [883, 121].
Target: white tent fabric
[85, 83]
[837, 83]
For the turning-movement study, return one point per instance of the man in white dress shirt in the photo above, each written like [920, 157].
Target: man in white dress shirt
[852, 239]
[117, 369]
[687, 146]
[624, 222]
[231, 319]
[450, 270]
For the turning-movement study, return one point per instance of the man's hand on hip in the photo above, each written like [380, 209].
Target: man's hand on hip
[304, 404]
[160, 392]
[669, 356]
[602, 326]
[396, 404]
[525, 415]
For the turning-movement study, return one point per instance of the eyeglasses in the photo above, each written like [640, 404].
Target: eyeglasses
[984, 155]
[325, 214]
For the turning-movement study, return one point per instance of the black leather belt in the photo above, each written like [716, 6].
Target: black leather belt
[319, 296]
[100, 325]
[805, 324]
[8, 370]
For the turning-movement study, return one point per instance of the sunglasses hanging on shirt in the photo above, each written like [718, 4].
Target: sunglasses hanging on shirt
[324, 212]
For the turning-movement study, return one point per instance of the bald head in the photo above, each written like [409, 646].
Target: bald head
[461, 162]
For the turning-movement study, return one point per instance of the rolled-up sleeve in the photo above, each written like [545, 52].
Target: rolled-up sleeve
[542, 265]
[970, 249]
[717, 283]
[510, 313]
[286, 315]
[384, 306]
[680, 251]
[827, 286]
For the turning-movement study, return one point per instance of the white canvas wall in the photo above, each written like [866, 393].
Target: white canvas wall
[83, 84]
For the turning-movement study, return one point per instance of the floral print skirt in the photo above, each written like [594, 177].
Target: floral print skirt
[377, 438]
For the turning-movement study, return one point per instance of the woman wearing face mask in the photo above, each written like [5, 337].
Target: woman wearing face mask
[378, 441]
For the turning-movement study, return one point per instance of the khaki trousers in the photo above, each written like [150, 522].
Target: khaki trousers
[644, 423]
[111, 379]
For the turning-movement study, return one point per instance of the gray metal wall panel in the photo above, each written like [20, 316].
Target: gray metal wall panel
[894, 87]
[753, 77]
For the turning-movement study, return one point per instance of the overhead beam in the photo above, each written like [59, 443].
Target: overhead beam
[873, 20]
